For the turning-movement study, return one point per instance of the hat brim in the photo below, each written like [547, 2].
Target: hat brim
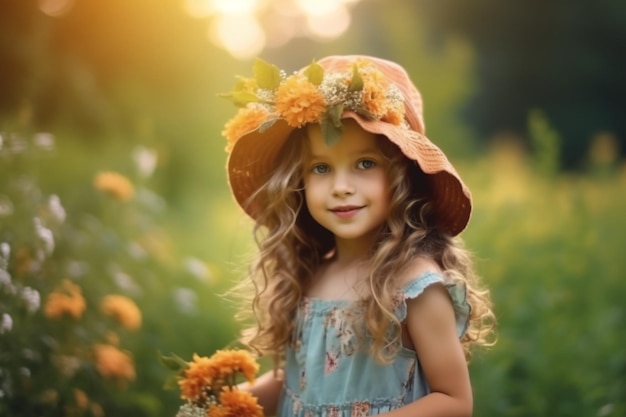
[254, 157]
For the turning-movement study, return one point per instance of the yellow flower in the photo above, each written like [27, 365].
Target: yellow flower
[114, 184]
[122, 309]
[67, 299]
[235, 403]
[299, 102]
[246, 120]
[113, 363]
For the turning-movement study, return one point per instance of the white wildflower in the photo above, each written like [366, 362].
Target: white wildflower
[56, 208]
[45, 235]
[6, 324]
[145, 160]
[32, 298]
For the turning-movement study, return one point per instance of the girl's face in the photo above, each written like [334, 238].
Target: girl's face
[346, 185]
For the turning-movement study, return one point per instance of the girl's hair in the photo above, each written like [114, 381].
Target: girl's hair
[292, 246]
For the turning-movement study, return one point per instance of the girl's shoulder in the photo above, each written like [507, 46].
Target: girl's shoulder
[421, 266]
[417, 278]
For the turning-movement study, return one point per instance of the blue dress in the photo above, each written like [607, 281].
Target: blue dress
[327, 374]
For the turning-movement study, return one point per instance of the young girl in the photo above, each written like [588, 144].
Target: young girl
[361, 290]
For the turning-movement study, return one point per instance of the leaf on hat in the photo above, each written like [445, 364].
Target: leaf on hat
[331, 124]
[240, 98]
[241, 94]
[356, 83]
[267, 75]
[314, 73]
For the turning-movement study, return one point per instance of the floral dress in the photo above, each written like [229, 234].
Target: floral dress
[328, 375]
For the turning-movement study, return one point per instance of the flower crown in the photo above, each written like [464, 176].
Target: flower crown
[311, 96]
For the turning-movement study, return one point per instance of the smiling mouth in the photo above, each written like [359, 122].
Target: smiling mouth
[346, 211]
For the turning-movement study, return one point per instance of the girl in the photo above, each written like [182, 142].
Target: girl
[362, 292]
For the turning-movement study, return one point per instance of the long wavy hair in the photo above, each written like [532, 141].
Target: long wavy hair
[291, 246]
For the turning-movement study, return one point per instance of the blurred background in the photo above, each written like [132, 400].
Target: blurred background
[118, 236]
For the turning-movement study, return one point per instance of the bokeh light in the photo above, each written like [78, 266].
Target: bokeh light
[245, 27]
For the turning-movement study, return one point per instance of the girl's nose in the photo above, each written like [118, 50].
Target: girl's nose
[342, 184]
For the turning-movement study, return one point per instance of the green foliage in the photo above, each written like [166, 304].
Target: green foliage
[545, 141]
[72, 248]
[550, 249]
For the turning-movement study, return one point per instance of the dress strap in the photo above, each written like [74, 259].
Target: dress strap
[457, 291]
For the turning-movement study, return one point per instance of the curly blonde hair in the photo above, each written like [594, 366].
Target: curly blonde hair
[292, 246]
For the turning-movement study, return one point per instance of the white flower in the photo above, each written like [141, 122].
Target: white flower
[186, 300]
[32, 299]
[45, 235]
[145, 159]
[6, 324]
[57, 210]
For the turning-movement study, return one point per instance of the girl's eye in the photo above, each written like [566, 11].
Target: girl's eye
[366, 164]
[320, 169]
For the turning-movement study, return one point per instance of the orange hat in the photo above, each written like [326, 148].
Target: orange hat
[376, 93]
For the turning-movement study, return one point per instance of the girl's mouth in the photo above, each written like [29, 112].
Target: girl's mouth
[345, 212]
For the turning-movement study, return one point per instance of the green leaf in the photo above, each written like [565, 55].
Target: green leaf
[173, 362]
[331, 125]
[356, 83]
[334, 114]
[267, 75]
[240, 98]
[171, 382]
[314, 73]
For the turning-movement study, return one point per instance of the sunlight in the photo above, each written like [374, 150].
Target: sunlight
[245, 27]
[241, 35]
[330, 25]
[55, 8]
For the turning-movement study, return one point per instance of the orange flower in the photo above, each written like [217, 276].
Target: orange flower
[299, 102]
[113, 363]
[66, 299]
[235, 403]
[374, 93]
[82, 401]
[198, 376]
[122, 309]
[235, 361]
[205, 374]
[395, 114]
[114, 184]
[246, 120]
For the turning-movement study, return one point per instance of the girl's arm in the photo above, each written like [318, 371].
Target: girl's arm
[431, 328]
[266, 389]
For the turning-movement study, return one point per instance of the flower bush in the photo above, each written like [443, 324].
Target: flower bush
[73, 278]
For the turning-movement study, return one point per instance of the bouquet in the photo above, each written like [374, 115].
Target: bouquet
[209, 384]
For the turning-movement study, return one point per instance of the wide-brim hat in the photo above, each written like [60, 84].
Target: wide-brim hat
[257, 134]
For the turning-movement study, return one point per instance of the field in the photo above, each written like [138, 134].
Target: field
[163, 233]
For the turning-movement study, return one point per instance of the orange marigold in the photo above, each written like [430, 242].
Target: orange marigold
[235, 403]
[375, 88]
[246, 120]
[198, 376]
[67, 299]
[113, 363]
[114, 184]
[122, 309]
[394, 115]
[204, 373]
[298, 101]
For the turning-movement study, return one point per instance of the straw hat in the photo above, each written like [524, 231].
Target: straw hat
[376, 93]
